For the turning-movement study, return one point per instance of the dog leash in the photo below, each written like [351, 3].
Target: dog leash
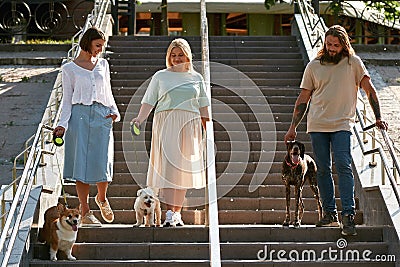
[135, 131]
[62, 184]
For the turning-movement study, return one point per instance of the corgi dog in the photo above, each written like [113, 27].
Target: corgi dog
[60, 230]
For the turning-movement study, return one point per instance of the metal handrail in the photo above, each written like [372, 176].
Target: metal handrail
[211, 190]
[385, 163]
[314, 24]
[11, 226]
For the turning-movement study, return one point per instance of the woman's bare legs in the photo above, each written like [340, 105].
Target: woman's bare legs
[83, 194]
[174, 198]
[102, 191]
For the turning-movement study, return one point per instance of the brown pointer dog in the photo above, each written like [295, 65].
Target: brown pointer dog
[296, 169]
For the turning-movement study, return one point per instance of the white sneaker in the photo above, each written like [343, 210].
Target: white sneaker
[177, 219]
[169, 221]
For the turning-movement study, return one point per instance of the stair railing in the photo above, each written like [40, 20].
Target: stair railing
[211, 189]
[11, 219]
[20, 195]
[314, 27]
[391, 172]
[312, 31]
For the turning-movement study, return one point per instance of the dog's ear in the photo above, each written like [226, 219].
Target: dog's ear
[139, 192]
[302, 150]
[60, 208]
[288, 145]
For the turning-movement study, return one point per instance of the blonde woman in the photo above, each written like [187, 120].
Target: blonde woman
[181, 105]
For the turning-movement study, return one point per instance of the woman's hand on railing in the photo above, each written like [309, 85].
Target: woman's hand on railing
[381, 124]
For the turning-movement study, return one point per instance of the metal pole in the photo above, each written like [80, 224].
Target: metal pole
[114, 13]
[132, 17]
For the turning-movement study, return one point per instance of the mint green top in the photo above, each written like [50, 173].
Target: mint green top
[176, 90]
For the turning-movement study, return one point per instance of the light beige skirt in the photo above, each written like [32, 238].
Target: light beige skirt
[177, 151]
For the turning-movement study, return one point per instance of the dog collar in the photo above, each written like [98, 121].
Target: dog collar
[292, 165]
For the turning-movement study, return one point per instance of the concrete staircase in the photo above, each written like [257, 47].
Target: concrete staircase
[248, 140]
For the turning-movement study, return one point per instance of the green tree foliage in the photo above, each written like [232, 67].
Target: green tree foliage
[390, 8]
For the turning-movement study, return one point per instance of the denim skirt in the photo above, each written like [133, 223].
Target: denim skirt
[89, 145]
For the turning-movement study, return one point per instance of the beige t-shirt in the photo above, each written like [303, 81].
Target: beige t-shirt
[334, 97]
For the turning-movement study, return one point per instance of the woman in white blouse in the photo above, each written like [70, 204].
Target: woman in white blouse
[88, 112]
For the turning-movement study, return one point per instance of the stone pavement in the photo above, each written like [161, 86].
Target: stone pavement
[24, 93]
[25, 89]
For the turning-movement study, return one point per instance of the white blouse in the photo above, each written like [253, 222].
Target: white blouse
[82, 86]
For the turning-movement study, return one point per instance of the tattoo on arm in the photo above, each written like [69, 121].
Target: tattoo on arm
[298, 113]
[373, 101]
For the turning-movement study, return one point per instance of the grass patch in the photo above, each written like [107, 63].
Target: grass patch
[45, 41]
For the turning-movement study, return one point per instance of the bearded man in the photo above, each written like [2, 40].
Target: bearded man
[329, 86]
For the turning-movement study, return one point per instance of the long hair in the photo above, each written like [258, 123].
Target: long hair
[339, 32]
[184, 45]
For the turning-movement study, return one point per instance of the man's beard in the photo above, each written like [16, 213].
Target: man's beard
[326, 58]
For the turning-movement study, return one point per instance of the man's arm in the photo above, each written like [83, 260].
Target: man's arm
[369, 89]
[299, 111]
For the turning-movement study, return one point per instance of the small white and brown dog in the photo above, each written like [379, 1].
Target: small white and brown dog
[147, 206]
[60, 230]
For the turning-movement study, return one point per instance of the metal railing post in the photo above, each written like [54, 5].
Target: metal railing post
[212, 197]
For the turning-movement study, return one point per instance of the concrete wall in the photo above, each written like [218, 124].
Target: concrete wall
[260, 24]
[190, 24]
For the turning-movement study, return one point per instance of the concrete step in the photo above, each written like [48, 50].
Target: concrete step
[203, 263]
[228, 233]
[249, 217]
[213, 56]
[240, 135]
[235, 126]
[214, 76]
[200, 251]
[249, 104]
[236, 91]
[226, 203]
[111, 49]
[272, 81]
[229, 145]
[230, 62]
[195, 45]
[243, 68]
[232, 190]
[222, 178]
[232, 167]
[225, 156]
[231, 39]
